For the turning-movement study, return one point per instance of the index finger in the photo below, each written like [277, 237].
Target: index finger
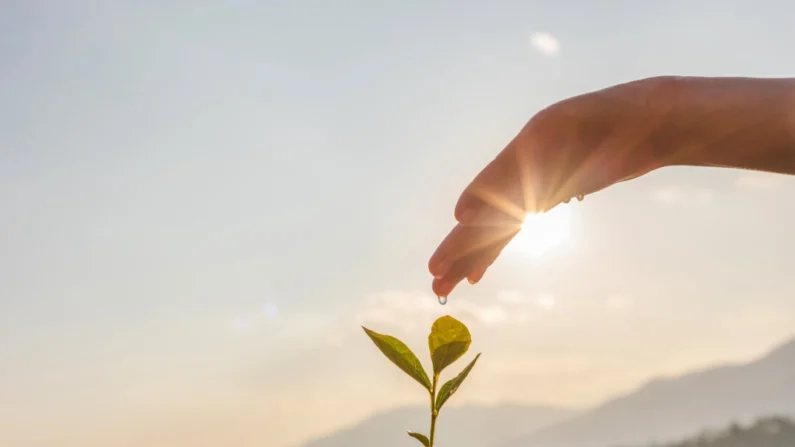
[496, 193]
[466, 248]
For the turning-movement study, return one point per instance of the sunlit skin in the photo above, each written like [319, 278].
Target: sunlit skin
[589, 142]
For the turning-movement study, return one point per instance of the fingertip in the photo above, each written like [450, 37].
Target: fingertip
[466, 209]
[442, 287]
[477, 274]
[442, 259]
[440, 268]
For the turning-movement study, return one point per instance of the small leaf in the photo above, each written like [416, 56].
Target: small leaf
[449, 388]
[448, 341]
[400, 354]
[422, 438]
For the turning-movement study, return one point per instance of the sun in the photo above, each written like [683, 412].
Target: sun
[544, 231]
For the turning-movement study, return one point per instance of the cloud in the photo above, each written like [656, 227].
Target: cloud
[270, 309]
[410, 311]
[526, 366]
[240, 323]
[669, 194]
[702, 195]
[546, 302]
[516, 298]
[676, 194]
[545, 43]
[758, 181]
[756, 320]
[511, 297]
[396, 309]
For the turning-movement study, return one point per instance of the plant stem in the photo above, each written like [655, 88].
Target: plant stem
[434, 412]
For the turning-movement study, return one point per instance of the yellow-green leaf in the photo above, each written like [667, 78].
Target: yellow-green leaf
[449, 388]
[422, 438]
[400, 354]
[448, 341]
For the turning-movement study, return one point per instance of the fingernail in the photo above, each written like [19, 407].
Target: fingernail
[443, 287]
[441, 268]
[476, 275]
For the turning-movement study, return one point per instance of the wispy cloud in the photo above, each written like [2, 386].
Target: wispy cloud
[545, 43]
[546, 302]
[511, 296]
[406, 311]
[410, 311]
[240, 323]
[759, 181]
[525, 366]
[763, 319]
[676, 194]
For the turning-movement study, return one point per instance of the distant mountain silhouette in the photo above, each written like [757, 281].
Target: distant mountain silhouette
[668, 409]
[467, 426]
[766, 432]
[663, 410]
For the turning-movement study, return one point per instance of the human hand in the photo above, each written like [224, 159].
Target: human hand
[570, 149]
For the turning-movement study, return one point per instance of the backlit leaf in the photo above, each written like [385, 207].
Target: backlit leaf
[400, 354]
[449, 388]
[448, 341]
[422, 438]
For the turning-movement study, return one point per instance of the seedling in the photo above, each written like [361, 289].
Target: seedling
[448, 341]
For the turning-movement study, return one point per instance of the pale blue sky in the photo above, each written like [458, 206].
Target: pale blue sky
[201, 201]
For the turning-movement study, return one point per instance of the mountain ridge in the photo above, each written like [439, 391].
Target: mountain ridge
[661, 409]
[471, 424]
[671, 407]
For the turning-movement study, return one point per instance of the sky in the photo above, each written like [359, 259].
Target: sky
[203, 201]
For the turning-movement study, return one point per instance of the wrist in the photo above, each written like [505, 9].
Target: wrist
[746, 123]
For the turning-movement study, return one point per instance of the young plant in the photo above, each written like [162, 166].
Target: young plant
[448, 341]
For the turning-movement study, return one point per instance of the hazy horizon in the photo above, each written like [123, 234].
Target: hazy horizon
[202, 203]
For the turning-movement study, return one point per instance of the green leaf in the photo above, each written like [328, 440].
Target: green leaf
[400, 354]
[422, 438]
[449, 388]
[448, 341]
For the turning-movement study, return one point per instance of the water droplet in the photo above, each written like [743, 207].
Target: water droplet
[566, 200]
[442, 300]
[580, 197]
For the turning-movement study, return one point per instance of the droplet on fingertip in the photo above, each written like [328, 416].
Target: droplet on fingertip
[442, 300]
[580, 197]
